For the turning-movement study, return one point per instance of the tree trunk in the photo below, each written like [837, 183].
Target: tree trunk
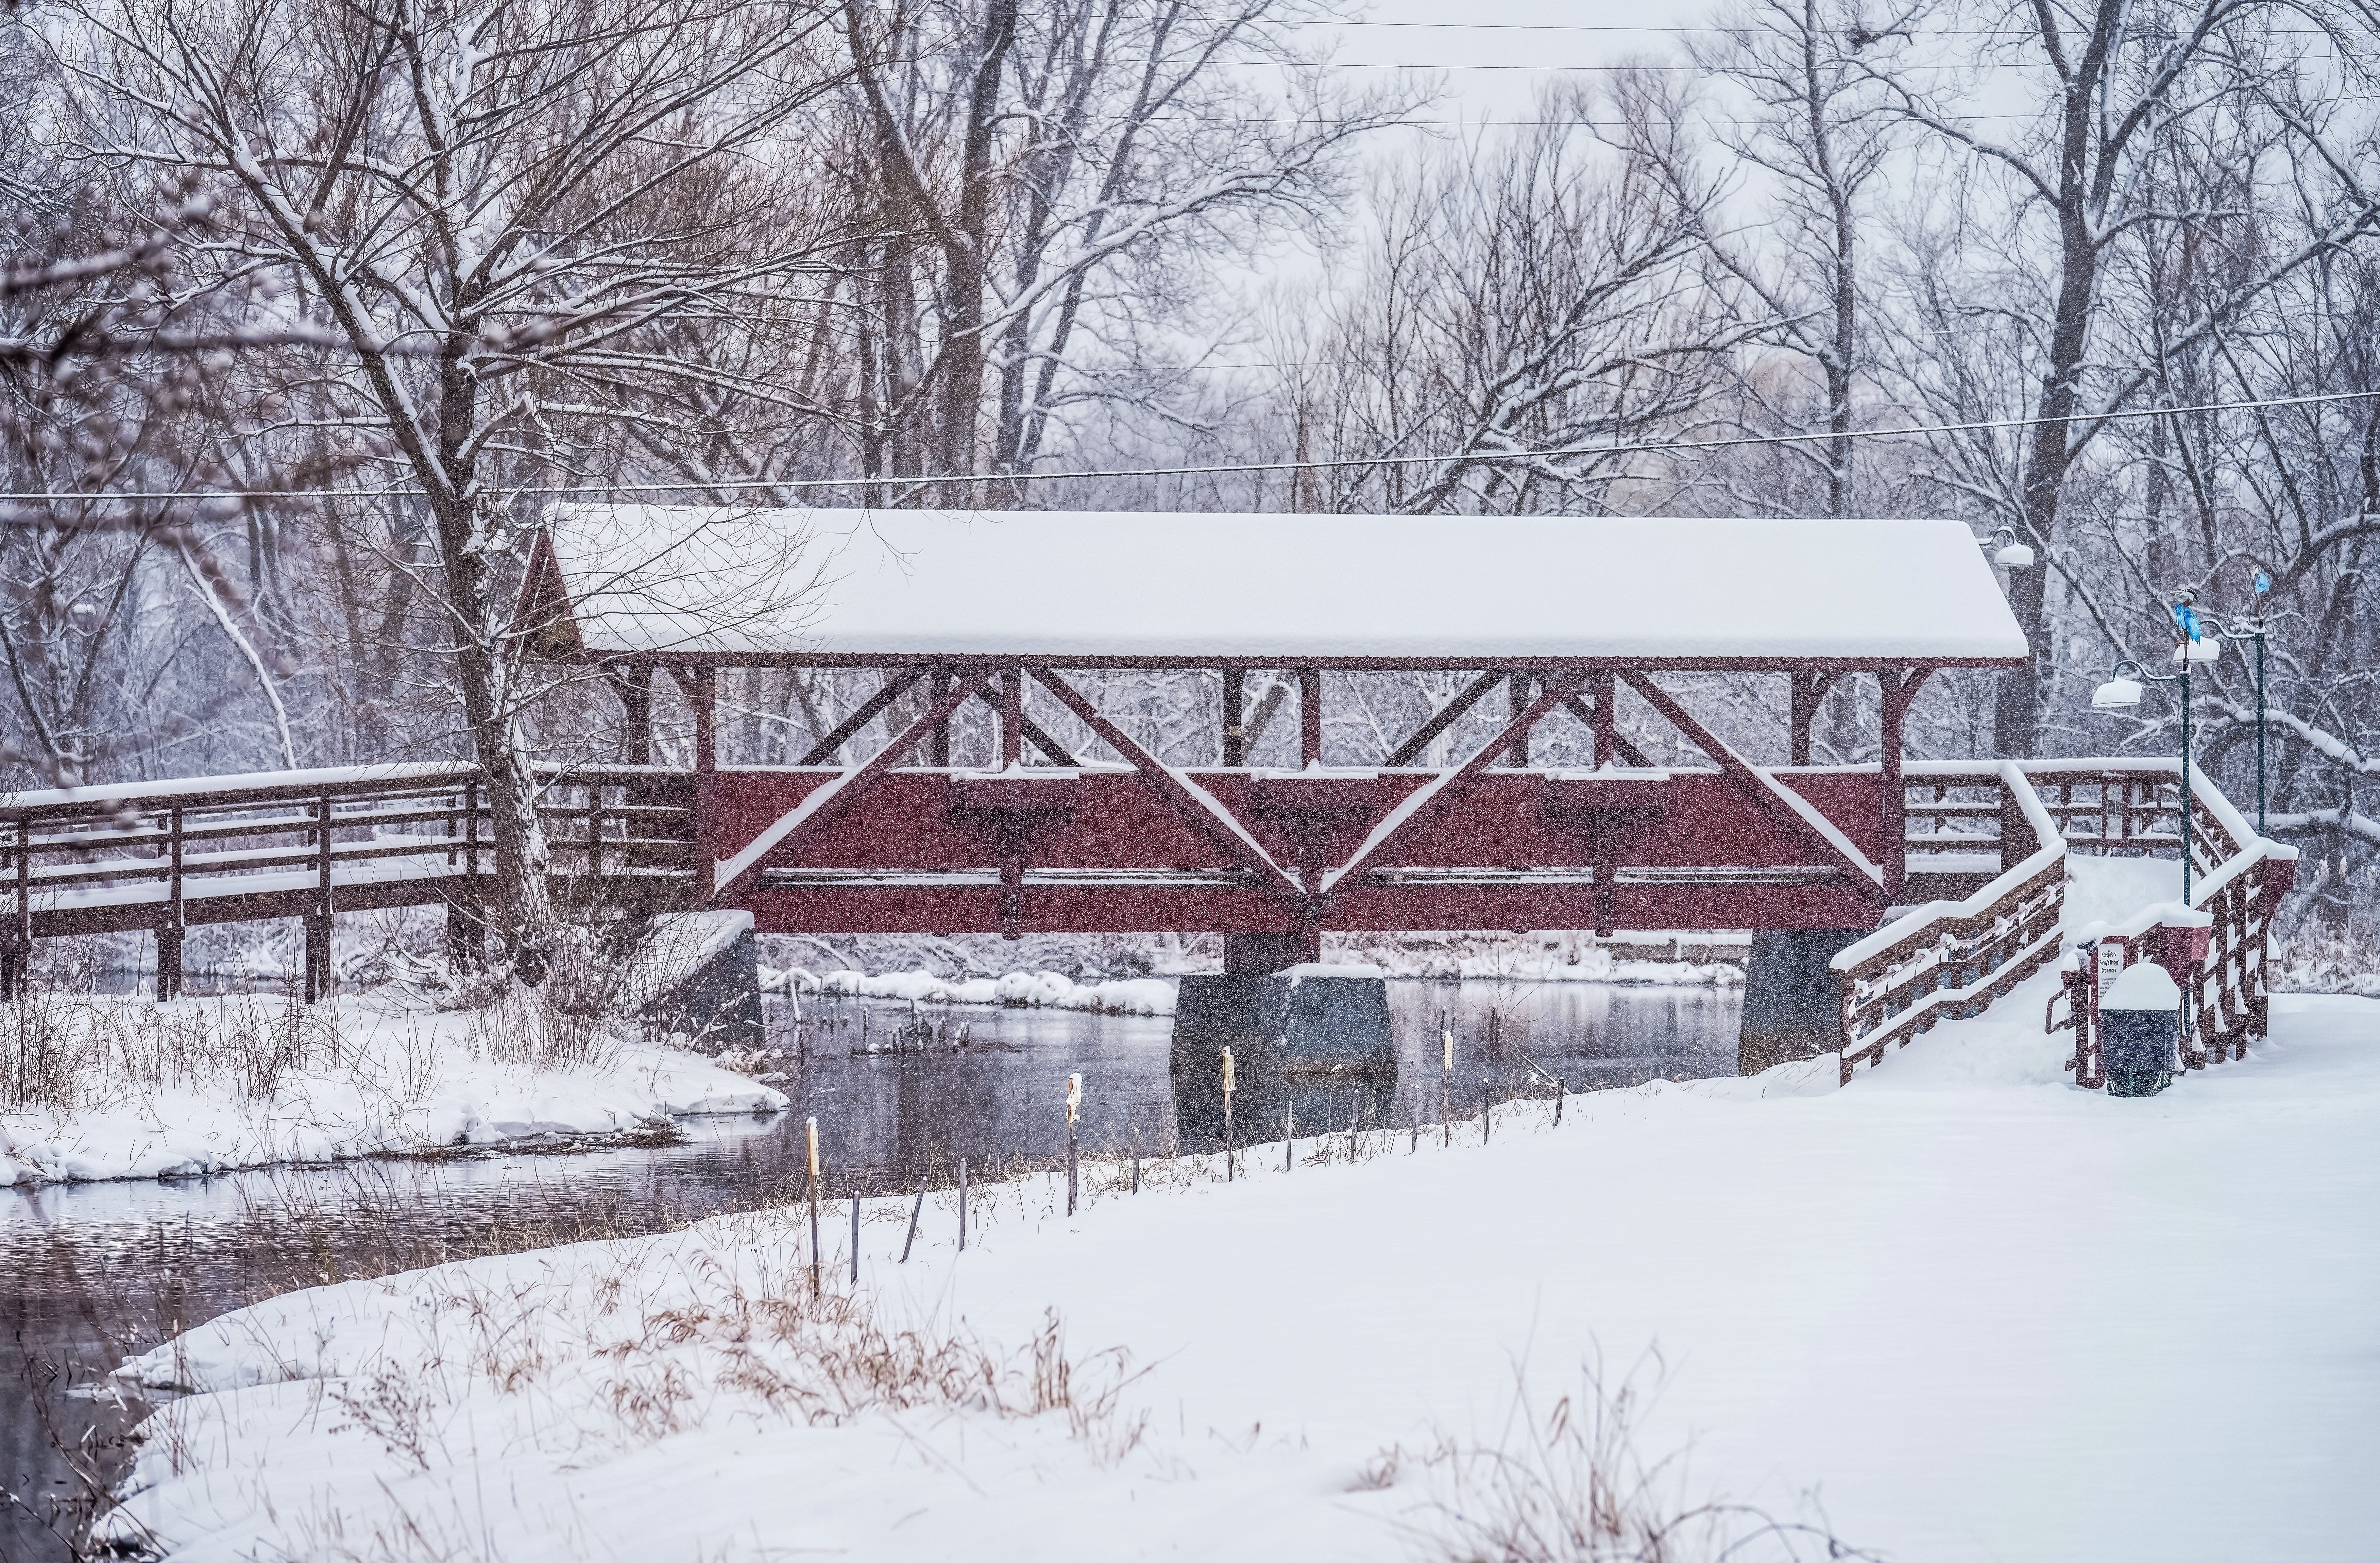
[519, 912]
[2016, 709]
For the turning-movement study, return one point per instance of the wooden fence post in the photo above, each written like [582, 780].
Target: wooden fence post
[169, 935]
[1074, 1100]
[811, 1131]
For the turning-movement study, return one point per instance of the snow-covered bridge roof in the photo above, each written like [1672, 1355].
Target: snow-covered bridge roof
[867, 587]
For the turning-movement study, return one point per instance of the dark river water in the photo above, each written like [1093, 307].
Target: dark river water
[86, 1268]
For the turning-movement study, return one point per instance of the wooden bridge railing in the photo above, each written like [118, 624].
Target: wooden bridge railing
[1951, 960]
[166, 856]
[2215, 949]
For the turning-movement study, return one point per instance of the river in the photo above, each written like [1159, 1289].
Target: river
[90, 1266]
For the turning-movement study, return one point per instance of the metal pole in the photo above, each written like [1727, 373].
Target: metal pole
[2260, 729]
[915, 1211]
[962, 1204]
[2185, 777]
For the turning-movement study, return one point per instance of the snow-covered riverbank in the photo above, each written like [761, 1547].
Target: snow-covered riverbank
[197, 1086]
[1517, 961]
[1960, 1308]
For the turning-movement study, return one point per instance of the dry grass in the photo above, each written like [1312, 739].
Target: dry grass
[68, 1052]
[715, 1326]
[1571, 1484]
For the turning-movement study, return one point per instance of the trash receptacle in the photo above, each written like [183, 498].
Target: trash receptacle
[2140, 1031]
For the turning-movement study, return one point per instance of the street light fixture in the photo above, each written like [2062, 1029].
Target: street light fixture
[2010, 554]
[2122, 692]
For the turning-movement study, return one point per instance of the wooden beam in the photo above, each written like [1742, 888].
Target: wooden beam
[831, 801]
[1310, 715]
[1900, 688]
[1516, 701]
[1236, 716]
[1810, 686]
[1427, 734]
[893, 689]
[703, 693]
[634, 684]
[938, 748]
[1194, 803]
[1609, 744]
[1762, 788]
[1029, 730]
[1433, 797]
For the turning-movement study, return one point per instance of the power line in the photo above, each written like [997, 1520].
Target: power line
[1716, 32]
[1648, 447]
[1740, 125]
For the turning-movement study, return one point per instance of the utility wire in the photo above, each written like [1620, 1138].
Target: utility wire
[1646, 447]
[1722, 31]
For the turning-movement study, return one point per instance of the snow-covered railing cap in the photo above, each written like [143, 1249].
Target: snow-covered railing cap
[1151, 587]
[2163, 915]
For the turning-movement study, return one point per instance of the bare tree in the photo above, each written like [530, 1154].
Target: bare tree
[1526, 300]
[1057, 183]
[2107, 82]
[499, 187]
[1818, 136]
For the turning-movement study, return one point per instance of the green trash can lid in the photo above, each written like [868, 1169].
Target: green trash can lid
[2144, 986]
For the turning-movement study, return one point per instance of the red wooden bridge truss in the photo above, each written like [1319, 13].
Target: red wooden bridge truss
[1049, 842]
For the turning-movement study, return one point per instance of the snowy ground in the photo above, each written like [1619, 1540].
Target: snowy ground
[208, 1084]
[1963, 1310]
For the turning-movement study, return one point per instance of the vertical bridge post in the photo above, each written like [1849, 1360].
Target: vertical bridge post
[703, 693]
[1309, 717]
[1236, 716]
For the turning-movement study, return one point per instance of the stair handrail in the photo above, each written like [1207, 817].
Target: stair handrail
[1890, 982]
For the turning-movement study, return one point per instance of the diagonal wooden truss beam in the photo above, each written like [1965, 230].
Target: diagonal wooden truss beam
[1781, 800]
[894, 687]
[1576, 705]
[824, 803]
[1452, 713]
[1426, 802]
[1194, 803]
[1052, 750]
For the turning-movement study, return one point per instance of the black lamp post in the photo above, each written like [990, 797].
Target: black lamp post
[2252, 629]
[2122, 693]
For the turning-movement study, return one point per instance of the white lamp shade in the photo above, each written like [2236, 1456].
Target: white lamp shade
[2205, 649]
[2116, 695]
[2016, 556]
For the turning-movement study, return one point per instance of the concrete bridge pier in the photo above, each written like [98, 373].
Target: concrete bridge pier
[1792, 1007]
[1308, 1030]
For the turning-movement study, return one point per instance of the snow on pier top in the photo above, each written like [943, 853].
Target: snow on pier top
[1271, 589]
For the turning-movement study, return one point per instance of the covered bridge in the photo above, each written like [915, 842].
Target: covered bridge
[1544, 618]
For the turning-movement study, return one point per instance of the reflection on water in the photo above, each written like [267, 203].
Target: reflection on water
[81, 1265]
[887, 1121]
